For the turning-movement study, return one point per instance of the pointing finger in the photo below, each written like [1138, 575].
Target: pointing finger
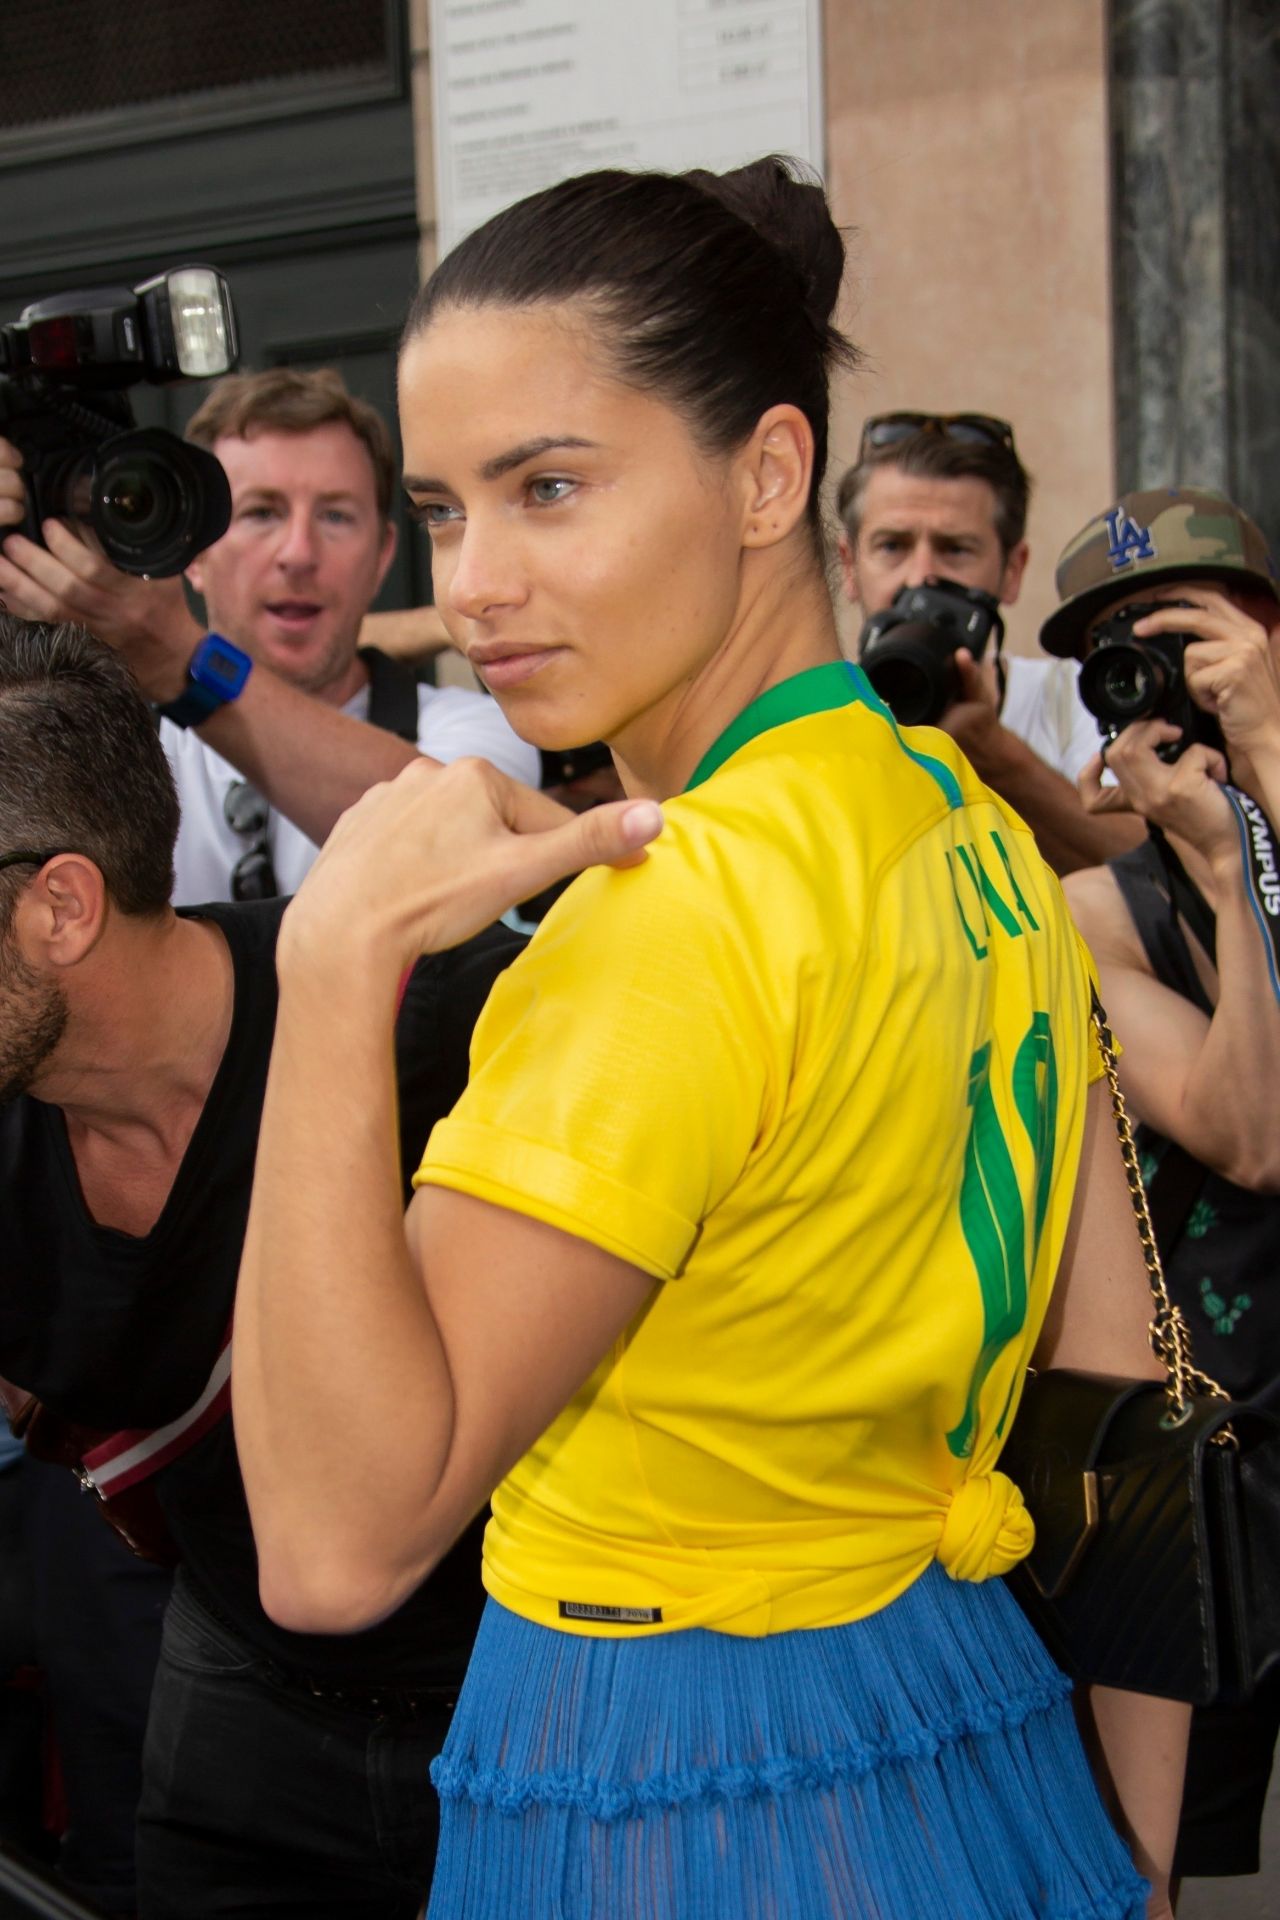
[613, 835]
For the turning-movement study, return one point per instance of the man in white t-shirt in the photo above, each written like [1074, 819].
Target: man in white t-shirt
[944, 496]
[273, 719]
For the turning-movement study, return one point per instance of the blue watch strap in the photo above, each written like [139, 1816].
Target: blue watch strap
[216, 674]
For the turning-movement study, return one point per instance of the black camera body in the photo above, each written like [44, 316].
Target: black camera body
[1125, 678]
[151, 501]
[908, 651]
[561, 766]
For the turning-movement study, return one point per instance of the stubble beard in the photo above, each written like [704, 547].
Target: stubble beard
[33, 1019]
[319, 676]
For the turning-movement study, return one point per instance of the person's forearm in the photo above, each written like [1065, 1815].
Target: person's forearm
[309, 761]
[342, 1398]
[1143, 1744]
[1227, 1107]
[1266, 782]
[417, 633]
[1068, 837]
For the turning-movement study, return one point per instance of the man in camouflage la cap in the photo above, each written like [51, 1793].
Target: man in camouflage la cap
[1148, 540]
[1186, 935]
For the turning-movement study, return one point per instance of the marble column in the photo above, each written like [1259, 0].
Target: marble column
[1252, 127]
[1169, 288]
[1195, 99]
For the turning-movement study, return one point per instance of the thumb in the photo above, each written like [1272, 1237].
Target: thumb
[612, 835]
[1207, 760]
[1094, 796]
[976, 682]
[1089, 778]
[616, 832]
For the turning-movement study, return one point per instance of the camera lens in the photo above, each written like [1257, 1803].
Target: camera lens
[156, 502]
[1121, 682]
[1127, 685]
[137, 502]
[152, 502]
[907, 687]
[910, 666]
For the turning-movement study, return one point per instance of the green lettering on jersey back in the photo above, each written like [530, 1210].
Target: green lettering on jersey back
[979, 946]
[991, 903]
[992, 1211]
[1023, 908]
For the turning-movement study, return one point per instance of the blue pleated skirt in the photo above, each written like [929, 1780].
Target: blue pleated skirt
[920, 1763]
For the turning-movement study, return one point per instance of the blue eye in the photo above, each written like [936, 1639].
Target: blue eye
[434, 514]
[543, 490]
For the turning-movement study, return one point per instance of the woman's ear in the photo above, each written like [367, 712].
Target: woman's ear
[778, 467]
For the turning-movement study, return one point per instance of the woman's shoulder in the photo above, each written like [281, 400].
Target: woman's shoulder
[836, 801]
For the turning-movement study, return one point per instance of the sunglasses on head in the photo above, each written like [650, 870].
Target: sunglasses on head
[891, 429]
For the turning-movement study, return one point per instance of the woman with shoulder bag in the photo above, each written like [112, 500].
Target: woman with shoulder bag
[726, 1270]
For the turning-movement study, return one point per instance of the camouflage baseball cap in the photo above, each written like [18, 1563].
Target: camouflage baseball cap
[1147, 539]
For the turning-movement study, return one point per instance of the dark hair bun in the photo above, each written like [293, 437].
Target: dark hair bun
[786, 205]
[713, 291]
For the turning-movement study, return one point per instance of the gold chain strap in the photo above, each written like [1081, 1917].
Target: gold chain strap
[1169, 1333]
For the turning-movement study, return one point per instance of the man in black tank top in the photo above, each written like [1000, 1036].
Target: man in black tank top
[1186, 934]
[283, 1773]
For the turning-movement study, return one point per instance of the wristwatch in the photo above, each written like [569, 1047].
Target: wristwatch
[216, 673]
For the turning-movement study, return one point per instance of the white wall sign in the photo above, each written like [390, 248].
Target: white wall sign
[526, 92]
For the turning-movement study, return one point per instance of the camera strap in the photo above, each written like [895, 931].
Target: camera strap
[1164, 934]
[125, 1458]
[393, 695]
[1261, 875]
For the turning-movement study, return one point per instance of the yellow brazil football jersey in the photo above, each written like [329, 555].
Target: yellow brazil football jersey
[819, 1066]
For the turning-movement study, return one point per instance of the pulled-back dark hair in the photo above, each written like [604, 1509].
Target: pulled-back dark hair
[81, 767]
[716, 290]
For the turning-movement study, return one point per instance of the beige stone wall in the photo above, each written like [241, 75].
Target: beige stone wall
[423, 151]
[967, 144]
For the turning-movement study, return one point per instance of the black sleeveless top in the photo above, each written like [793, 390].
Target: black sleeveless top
[1223, 1267]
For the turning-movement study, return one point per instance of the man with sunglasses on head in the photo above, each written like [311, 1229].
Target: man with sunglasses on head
[274, 718]
[944, 496]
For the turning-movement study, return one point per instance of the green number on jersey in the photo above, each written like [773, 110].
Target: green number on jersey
[992, 1211]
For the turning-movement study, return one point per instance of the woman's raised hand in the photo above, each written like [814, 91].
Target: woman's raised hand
[426, 860]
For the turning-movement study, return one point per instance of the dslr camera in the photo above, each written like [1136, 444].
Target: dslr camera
[151, 501]
[908, 651]
[1125, 678]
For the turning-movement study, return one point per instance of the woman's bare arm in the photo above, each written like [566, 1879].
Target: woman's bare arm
[1098, 1324]
[384, 1381]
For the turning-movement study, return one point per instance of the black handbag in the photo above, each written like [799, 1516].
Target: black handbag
[1156, 1564]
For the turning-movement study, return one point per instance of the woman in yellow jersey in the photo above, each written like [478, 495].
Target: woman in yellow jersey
[726, 1269]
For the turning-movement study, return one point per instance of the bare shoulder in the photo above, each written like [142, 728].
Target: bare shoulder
[1098, 909]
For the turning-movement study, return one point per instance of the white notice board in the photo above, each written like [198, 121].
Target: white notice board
[526, 92]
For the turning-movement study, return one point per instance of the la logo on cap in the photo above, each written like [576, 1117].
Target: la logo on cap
[1126, 540]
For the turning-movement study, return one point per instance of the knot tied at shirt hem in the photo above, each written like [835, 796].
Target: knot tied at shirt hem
[987, 1529]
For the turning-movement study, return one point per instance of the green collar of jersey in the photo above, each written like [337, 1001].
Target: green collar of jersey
[817, 690]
